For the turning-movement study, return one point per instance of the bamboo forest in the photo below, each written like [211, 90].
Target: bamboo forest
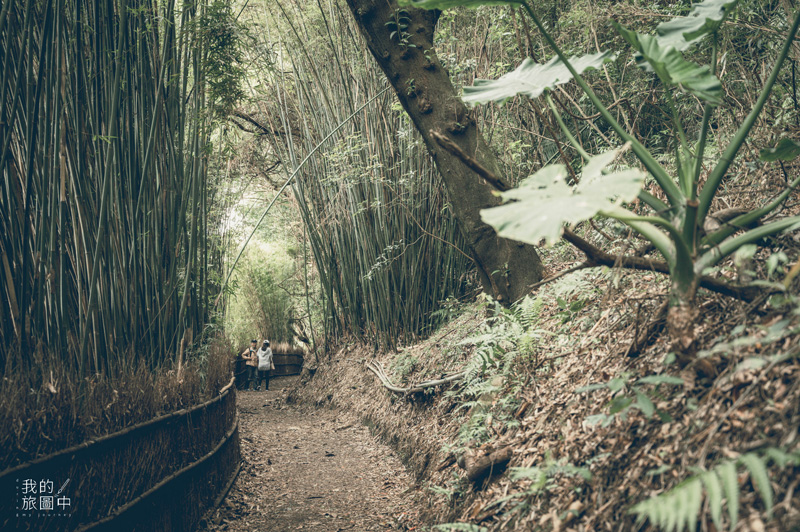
[400, 265]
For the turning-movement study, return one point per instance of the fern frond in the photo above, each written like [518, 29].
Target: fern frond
[680, 507]
[760, 477]
[692, 502]
[714, 490]
[730, 486]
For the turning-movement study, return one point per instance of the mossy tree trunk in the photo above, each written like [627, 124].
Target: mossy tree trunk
[507, 268]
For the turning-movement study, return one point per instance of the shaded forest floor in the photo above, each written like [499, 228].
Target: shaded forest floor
[311, 469]
[596, 421]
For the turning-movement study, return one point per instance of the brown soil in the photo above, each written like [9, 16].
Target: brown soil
[314, 470]
[547, 424]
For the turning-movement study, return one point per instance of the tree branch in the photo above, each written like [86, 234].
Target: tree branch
[601, 258]
[594, 255]
[473, 164]
[262, 129]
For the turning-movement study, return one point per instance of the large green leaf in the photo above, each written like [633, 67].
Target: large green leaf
[446, 4]
[671, 67]
[704, 18]
[786, 150]
[531, 79]
[543, 203]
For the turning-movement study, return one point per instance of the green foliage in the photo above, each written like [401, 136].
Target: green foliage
[460, 527]
[446, 4]
[567, 310]
[544, 202]
[107, 220]
[531, 79]
[671, 68]
[679, 507]
[449, 309]
[545, 475]
[786, 150]
[705, 18]
[399, 28]
[224, 69]
[403, 365]
[383, 237]
[496, 345]
[262, 306]
[438, 490]
[627, 395]
[541, 479]
[507, 348]
[675, 227]
[736, 341]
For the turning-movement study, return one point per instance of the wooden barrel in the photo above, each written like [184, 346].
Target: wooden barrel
[287, 364]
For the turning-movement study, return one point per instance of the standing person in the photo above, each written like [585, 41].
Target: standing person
[265, 365]
[251, 360]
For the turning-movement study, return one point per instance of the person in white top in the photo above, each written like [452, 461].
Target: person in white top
[265, 365]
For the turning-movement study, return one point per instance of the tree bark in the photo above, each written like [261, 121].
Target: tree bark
[507, 268]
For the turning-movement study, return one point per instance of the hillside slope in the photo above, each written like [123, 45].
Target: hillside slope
[556, 386]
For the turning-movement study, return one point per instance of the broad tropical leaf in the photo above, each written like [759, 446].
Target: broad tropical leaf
[446, 4]
[704, 18]
[543, 203]
[671, 67]
[531, 79]
[786, 150]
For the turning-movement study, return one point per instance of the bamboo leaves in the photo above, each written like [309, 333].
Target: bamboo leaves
[384, 240]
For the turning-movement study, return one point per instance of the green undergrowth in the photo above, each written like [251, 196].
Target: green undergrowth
[598, 436]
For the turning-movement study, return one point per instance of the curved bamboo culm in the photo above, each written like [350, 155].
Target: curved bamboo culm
[376, 368]
[286, 185]
[196, 449]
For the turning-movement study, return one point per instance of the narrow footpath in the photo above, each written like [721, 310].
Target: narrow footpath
[315, 470]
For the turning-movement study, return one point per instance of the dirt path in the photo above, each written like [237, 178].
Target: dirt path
[312, 470]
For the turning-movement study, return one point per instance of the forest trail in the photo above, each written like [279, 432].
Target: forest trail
[315, 470]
